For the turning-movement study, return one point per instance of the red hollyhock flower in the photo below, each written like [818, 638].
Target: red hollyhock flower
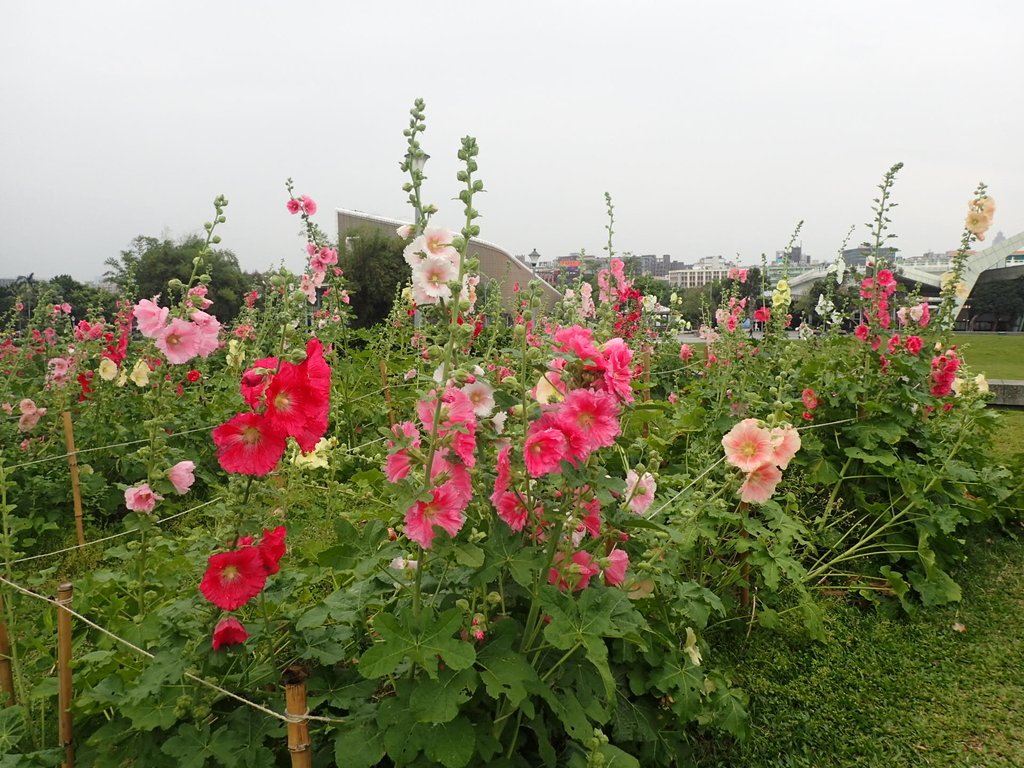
[193, 376]
[289, 402]
[229, 632]
[249, 444]
[233, 578]
[272, 548]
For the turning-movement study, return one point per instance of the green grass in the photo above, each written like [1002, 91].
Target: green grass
[887, 689]
[1009, 440]
[998, 357]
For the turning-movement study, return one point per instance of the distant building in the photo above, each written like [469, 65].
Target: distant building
[706, 270]
[858, 257]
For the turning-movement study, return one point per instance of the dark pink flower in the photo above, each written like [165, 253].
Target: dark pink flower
[229, 631]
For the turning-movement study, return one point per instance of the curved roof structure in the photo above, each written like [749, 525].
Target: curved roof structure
[495, 262]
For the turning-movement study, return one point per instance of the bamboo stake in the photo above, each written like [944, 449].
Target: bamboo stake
[297, 710]
[7, 696]
[64, 594]
[387, 391]
[69, 440]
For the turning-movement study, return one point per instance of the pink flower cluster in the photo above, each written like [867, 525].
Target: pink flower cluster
[918, 314]
[876, 291]
[738, 274]
[320, 259]
[944, 369]
[761, 453]
[30, 415]
[305, 204]
[732, 317]
[434, 261]
[180, 340]
[454, 455]
[288, 400]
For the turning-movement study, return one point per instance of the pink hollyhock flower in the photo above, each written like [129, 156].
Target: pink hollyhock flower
[543, 452]
[151, 318]
[179, 341]
[748, 445]
[578, 340]
[762, 315]
[272, 548]
[27, 422]
[760, 483]
[443, 510]
[208, 327]
[229, 631]
[924, 314]
[913, 344]
[885, 279]
[615, 567]
[141, 498]
[577, 574]
[233, 578]
[308, 206]
[182, 476]
[59, 369]
[481, 396]
[293, 206]
[640, 490]
[9, 409]
[437, 241]
[861, 332]
[511, 509]
[685, 352]
[430, 279]
[26, 406]
[249, 444]
[616, 368]
[399, 462]
[785, 444]
[456, 408]
[810, 399]
[405, 231]
[894, 343]
[731, 323]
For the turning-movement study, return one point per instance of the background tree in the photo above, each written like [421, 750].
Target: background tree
[144, 270]
[84, 299]
[1003, 299]
[375, 268]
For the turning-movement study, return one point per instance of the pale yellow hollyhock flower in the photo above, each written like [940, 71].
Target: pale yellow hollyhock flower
[782, 295]
[236, 355]
[691, 649]
[122, 379]
[958, 386]
[977, 223]
[545, 392]
[107, 369]
[981, 383]
[140, 374]
[317, 458]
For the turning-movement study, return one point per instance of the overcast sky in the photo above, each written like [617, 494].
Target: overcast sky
[715, 126]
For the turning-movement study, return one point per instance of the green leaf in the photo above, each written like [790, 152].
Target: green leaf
[361, 746]
[506, 672]
[469, 555]
[452, 744]
[12, 728]
[616, 758]
[193, 744]
[437, 701]
[885, 458]
[400, 642]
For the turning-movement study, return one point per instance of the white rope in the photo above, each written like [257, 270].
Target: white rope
[114, 536]
[189, 675]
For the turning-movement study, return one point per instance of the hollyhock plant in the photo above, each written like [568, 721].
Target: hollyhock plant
[249, 444]
[640, 490]
[182, 476]
[141, 498]
[748, 445]
[233, 578]
[151, 317]
[179, 341]
[444, 509]
[575, 575]
[272, 548]
[615, 565]
[759, 484]
[229, 631]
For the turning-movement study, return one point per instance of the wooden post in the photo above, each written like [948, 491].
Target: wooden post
[647, 373]
[64, 593]
[387, 391]
[69, 440]
[7, 696]
[298, 727]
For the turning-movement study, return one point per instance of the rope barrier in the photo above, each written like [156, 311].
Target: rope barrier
[116, 535]
[195, 678]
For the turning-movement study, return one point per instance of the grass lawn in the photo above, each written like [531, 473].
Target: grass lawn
[998, 357]
[887, 689]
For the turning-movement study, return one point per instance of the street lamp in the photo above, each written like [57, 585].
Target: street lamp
[534, 258]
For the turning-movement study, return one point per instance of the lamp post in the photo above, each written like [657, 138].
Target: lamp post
[534, 258]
